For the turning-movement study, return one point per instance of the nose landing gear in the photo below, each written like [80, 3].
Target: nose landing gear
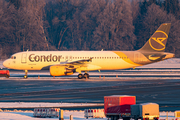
[25, 76]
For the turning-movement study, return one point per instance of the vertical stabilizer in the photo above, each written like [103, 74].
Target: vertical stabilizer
[157, 42]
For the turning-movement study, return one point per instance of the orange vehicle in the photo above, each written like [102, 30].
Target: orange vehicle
[4, 73]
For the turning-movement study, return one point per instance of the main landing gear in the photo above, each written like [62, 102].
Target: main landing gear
[25, 76]
[86, 75]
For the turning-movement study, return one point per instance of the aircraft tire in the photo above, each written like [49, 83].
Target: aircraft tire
[25, 77]
[86, 75]
[80, 76]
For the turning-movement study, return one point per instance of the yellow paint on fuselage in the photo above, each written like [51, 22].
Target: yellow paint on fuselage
[101, 60]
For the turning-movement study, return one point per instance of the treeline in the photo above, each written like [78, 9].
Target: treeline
[85, 24]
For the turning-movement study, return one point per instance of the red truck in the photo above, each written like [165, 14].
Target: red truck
[118, 106]
[4, 73]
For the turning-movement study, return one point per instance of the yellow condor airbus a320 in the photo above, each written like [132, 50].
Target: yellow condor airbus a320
[62, 63]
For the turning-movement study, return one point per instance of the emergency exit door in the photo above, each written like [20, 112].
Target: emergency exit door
[137, 57]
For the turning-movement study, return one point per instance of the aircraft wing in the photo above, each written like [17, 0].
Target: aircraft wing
[78, 62]
[72, 65]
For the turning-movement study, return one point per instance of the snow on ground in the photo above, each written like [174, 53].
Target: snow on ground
[169, 63]
[42, 104]
[77, 115]
[28, 115]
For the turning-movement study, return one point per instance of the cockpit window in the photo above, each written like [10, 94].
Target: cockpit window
[13, 57]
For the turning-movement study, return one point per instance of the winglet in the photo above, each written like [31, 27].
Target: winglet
[157, 42]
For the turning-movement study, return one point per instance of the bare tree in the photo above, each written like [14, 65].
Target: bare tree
[84, 23]
[115, 27]
[58, 12]
[7, 12]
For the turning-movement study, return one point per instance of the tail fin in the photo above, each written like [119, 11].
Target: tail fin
[157, 42]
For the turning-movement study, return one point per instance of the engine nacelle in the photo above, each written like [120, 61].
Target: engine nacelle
[58, 70]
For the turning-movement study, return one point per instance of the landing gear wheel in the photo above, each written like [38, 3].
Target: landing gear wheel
[25, 77]
[86, 75]
[80, 76]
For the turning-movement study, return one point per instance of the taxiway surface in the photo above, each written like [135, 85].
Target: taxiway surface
[164, 91]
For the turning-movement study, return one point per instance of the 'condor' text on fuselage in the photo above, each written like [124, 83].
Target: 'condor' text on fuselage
[43, 58]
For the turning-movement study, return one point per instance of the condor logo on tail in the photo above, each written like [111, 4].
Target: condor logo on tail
[158, 40]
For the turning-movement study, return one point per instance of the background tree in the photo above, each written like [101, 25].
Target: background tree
[7, 12]
[115, 28]
[171, 6]
[57, 13]
[22, 28]
[84, 23]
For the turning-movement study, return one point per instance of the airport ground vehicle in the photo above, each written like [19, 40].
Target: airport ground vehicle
[125, 107]
[145, 111]
[118, 106]
[4, 73]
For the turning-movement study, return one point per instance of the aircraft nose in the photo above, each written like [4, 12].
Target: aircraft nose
[5, 63]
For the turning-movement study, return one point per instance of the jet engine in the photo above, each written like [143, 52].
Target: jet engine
[58, 70]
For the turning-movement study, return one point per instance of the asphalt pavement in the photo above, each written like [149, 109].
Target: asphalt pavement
[162, 90]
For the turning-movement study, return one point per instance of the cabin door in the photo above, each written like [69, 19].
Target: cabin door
[24, 58]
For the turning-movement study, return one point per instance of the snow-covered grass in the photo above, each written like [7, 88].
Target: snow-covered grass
[28, 115]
